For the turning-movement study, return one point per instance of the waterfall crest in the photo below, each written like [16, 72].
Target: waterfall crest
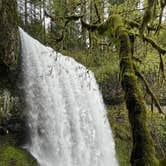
[66, 114]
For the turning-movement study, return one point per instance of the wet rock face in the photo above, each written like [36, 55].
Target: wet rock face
[9, 45]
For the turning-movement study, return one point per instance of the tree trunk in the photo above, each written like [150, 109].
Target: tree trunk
[143, 153]
[9, 34]
[26, 15]
[9, 55]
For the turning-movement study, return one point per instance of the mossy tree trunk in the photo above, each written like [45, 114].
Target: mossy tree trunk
[143, 153]
[9, 34]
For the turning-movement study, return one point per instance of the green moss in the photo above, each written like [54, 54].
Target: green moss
[143, 153]
[12, 156]
[118, 118]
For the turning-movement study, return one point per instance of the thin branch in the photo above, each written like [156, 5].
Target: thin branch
[148, 15]
[67, 18]
[97, 12]
[149, 90]
[162, 4]
[133, 10]
[89, 27]
[154, 44]
[137, 59]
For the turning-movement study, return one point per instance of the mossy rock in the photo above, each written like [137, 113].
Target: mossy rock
[12, 156]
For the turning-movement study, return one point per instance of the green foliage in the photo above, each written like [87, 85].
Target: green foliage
[118, 118]
[107, 77]
[12, 156]
[116, 2]
[157, 125]
[36, 30]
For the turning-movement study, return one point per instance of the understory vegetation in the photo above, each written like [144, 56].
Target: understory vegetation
[118, 117]
[15, 156]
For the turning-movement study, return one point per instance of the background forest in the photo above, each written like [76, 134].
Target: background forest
[61, 24]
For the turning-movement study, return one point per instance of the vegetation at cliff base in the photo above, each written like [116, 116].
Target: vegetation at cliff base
[15, 156]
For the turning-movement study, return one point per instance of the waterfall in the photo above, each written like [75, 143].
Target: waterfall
[65, 111]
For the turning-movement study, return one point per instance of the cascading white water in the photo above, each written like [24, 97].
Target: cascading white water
[66, 114]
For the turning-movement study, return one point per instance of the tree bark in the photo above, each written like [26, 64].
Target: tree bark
[9, 34]
[143, 153]
[9, 55]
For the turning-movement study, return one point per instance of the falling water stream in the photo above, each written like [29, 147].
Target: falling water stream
[66, 115]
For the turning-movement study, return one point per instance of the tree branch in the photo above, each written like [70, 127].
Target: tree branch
[154, 44]
[97, 12]
[148, 15]
[149, 90]
[67, 18]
